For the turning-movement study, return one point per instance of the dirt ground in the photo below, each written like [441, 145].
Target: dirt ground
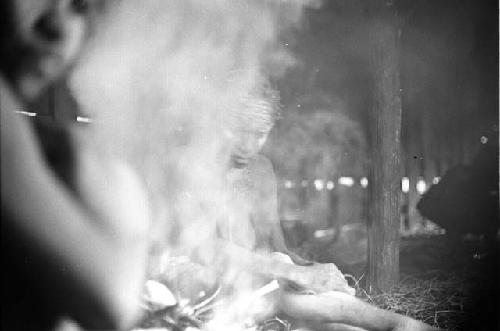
[449, 283]
[458, 278]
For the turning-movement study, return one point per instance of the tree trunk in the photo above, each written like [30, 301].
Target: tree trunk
[385, 173]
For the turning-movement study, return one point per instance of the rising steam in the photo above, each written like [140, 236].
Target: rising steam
[155, 81]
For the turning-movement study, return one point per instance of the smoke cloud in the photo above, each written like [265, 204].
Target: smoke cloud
[159, 81]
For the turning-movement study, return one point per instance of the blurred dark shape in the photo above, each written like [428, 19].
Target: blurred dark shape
[25, 295]
[58, 147]
[466, 199]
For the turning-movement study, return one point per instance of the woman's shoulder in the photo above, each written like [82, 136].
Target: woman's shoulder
[262, 173]
[261, 167]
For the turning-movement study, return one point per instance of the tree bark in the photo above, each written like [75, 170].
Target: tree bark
[385, 173]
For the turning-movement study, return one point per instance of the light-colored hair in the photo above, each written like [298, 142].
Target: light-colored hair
[259, 110]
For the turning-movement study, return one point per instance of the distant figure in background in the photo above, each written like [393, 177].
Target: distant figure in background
[253, 223]
[252, 220]
[248, 229]
[466, 199]
[69, 249]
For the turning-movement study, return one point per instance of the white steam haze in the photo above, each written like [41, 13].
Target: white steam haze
[155, 81]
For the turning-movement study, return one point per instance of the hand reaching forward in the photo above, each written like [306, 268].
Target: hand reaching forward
[317, 278]
[325, 277]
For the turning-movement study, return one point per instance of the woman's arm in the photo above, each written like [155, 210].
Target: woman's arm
[305, 274]
[266, 220]
[279, 245]
[93, 269]
[337, 307]
[318, 278]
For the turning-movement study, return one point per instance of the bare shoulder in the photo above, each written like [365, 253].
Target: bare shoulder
[262, 171]
[264, 162]
[266, 191]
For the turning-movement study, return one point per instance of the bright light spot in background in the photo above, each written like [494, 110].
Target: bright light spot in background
[289, 184]
[484, 140]
[421, 186]
[82, 119]
[324, 233]
[27, 113]
[304, 183]
[364, 182]
[346, 181]
[330, 185]
[436, 180]
[318, 183]
[405, 184]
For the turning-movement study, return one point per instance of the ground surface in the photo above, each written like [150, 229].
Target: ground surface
[449, 283]
[452, 284]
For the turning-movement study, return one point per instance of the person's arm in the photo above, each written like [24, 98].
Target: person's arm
[266, 218]
[224, 256]
[279, 244]
[332, 308]
[318, 278]
[93, 269]
[267, 225]
[270, 217]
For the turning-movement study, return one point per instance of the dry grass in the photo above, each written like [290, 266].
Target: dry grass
[448, 284]
[438, 298]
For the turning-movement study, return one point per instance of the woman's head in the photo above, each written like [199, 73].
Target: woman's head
[251, 125]
[40, 39]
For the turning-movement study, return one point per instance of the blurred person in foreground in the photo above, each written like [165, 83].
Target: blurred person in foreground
[72, 249]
